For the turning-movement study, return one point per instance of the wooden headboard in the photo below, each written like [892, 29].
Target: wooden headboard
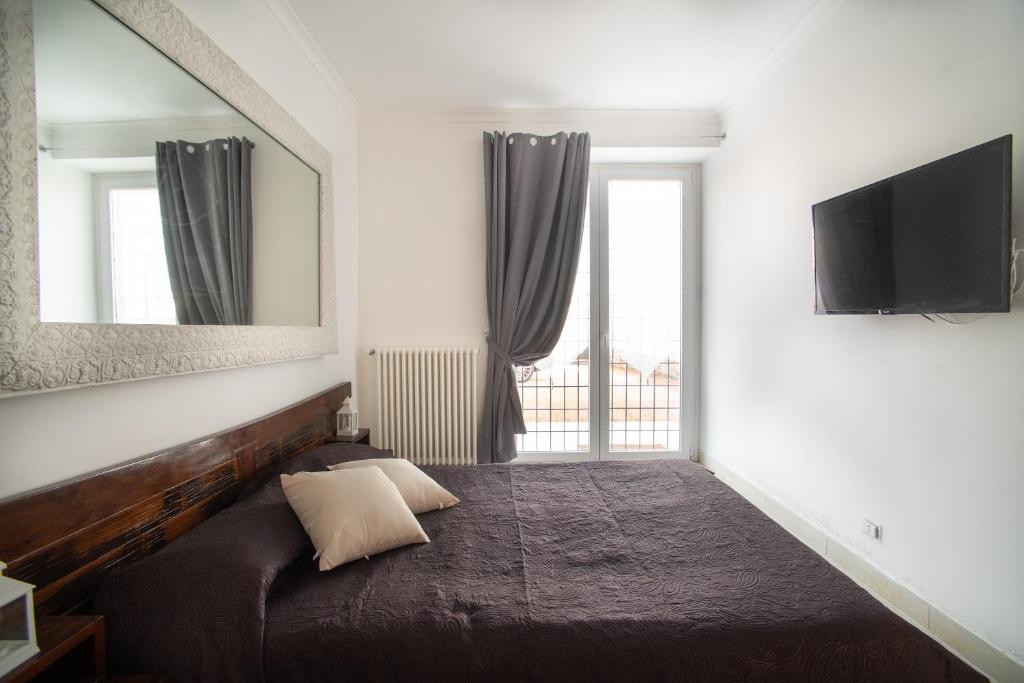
[66, 537]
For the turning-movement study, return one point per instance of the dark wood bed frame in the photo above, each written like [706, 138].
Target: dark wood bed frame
[66, 537]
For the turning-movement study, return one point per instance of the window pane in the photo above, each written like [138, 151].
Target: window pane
[644, 292]
[138, 264]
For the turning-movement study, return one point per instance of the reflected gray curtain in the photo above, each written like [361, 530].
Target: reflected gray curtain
[205, 193]
[536, 191]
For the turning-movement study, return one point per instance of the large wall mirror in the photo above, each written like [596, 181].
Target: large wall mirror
[161, 213]
[158, 201]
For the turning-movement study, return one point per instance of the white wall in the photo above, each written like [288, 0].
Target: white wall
[421, 244]
[914, 425]
[49, 437]
[67, 243]
[285, 240]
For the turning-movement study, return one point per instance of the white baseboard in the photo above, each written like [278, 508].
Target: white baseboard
[974, 650]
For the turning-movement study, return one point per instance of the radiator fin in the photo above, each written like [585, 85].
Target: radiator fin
[426, 404]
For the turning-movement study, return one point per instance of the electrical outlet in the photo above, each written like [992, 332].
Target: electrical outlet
[871, 530]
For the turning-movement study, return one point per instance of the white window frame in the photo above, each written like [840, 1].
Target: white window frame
[103, 183]
[689, 175]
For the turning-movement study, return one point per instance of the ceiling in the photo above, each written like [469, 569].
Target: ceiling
[534, 54]
[90, 68]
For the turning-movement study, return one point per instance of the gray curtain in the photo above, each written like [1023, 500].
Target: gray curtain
[205, 193]
[536, 190]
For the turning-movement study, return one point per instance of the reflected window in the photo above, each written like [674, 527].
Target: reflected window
[136, 284]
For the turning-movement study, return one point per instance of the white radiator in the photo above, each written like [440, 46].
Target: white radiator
[426, 404]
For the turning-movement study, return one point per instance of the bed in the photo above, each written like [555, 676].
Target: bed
[650, 570]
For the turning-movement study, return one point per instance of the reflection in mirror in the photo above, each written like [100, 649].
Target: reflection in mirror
[158, 202]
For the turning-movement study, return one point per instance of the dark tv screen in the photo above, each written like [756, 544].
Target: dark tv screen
[935, 239]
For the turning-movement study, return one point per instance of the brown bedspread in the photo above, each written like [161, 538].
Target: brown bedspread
[591, 571]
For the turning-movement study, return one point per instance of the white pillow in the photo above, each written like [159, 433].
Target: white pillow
[351, 514]
[421, 493]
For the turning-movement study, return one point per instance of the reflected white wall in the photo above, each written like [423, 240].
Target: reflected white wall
[67, 243]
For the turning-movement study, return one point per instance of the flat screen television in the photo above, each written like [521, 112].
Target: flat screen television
[935, 239]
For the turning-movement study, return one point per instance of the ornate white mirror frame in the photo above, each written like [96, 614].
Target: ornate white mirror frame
[37, 356]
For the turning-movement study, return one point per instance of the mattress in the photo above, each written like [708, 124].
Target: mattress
[644, 570]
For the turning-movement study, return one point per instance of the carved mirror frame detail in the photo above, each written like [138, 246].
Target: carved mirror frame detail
[37, 356]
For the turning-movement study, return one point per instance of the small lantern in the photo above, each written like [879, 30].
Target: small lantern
[348, 419]
[17, 623]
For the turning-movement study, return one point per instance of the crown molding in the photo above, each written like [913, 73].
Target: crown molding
[184, 123]
[804, 27]
[286, 16]
[113, 139]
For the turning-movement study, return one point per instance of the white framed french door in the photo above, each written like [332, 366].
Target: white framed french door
[623, 381]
